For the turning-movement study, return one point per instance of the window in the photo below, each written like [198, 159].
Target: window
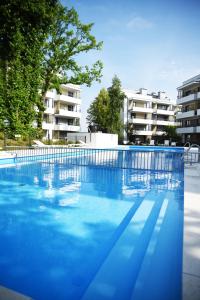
[70, 107]
[188, 122]
[70, 121]
[70, 94]
[46, 102]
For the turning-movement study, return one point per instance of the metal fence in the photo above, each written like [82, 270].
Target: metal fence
[112, 158]
[191, 157]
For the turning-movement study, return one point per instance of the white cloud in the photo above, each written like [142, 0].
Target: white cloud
[139, 23]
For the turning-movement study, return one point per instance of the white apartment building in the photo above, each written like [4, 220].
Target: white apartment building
[62, 113]
[189, 117]
[145, 115]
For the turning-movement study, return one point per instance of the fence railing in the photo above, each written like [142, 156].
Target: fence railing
[192, 154]
[113, 158]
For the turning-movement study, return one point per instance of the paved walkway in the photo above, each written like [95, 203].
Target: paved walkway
[191, 250]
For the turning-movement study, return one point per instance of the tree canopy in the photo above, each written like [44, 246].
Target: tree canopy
[39, 46]
[170, 133]
[98, 111]
[104, 111]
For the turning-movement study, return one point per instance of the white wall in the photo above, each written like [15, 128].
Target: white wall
[99, 139]
[95, 139]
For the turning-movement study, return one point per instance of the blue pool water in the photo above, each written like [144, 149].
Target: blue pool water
[84, 232]
[156, 148]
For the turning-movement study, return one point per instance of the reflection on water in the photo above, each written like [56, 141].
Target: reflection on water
[69, 177]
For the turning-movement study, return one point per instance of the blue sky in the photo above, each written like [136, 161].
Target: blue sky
[146, 43]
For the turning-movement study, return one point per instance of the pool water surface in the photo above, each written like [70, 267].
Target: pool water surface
[73, 232]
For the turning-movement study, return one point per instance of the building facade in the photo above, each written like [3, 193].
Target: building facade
[145, 116]
[62, 112]
[189, 117]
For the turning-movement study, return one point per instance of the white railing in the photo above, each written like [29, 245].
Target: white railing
[186, 114]
[68, 99]
[186, 130]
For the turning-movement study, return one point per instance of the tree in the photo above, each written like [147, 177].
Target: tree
[42, 40]
[98, 111]
[23, 30]
[104, 111]
[171, 134]
[67, 38]
[116, 96]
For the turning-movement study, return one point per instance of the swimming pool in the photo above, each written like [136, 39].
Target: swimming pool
[71, 231]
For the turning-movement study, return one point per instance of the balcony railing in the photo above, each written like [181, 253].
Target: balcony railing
[186, 114]
[68, 99]
[140, 121]
[189, 98]
[142, 132]
[198, 129]
[47, 126]
[141, 109]
[165, 112]
[186, 130]
[66, 127]
[68, 113]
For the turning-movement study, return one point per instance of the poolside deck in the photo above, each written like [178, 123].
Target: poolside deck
[191, 250]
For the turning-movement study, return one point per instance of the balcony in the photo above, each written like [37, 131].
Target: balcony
[68, 99]
[198, 129]
[165, 112]
[66, 127]
[186, 130]
[140, 121]
[165, 123]
[198, 112]
[159, 132]
[50, 94]
[49, 111]
[67, 113]
[141, 109]
[47, 126]
[142, 132]
[186, 114]
[188, 98]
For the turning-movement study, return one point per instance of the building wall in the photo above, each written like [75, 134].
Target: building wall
[189, 117]
[95, 139]
[146, 115]
[62, 112]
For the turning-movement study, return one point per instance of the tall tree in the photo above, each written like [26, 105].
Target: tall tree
[98, 111]
[116, 96]
[104, 111]
[39, 45]
[67, 38]
[23, 30]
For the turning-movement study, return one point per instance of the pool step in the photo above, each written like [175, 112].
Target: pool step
[118, 274]
[160, 275]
